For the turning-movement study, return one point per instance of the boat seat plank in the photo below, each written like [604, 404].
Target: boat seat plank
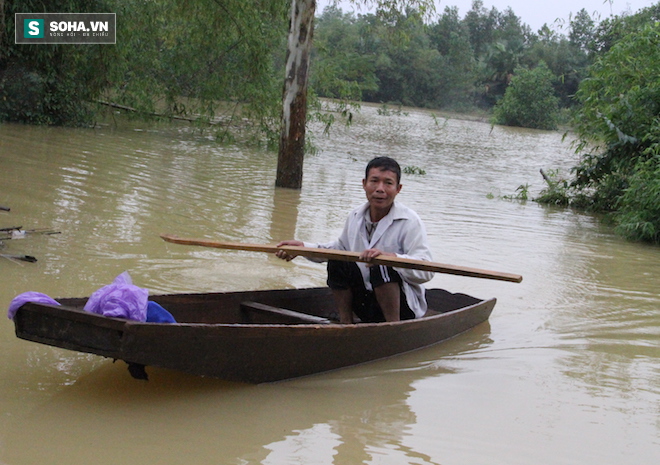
[283, 315]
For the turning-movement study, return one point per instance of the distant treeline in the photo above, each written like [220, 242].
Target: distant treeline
[451, 62]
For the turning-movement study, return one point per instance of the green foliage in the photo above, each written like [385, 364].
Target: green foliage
[620, 110]
[436, 121]
[394, 58]
[342, 68]
[174, 58]
[613, 29]
[581, 34]
[529, 100]
[210, 60]
[481, 24]
[638, 216]
[49, 84]
[556, 192]
[446, 62]
[567, 57]
[223, 61]
[414, 170]
[385, 110]
[499, 41]
[619, 133]
[620, 104]
[406, 65]
[457, 74]
[522, 193]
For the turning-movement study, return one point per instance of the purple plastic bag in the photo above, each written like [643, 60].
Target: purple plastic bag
[121, 299]
[26, 297]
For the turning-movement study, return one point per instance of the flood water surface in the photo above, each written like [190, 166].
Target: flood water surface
[566, 370]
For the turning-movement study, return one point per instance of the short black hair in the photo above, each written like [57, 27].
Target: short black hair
[384, 164]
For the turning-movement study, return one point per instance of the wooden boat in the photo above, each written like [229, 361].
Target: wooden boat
[253, 336]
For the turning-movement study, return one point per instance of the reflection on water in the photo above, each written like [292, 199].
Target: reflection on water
[565, 372]
[305, 446]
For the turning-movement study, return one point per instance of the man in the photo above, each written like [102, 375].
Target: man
[379, 227]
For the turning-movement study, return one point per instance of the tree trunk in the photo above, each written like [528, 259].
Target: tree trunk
[294, 96]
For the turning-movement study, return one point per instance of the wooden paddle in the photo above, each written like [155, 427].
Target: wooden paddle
[331, 254]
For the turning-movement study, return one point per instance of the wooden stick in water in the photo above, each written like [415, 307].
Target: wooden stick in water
[342, 255]
[24, 258]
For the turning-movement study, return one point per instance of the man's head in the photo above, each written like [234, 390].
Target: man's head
[384, 164]
[381, 185]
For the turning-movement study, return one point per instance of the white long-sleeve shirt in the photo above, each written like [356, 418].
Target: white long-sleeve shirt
[402, 232]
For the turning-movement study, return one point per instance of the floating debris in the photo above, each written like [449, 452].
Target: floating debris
[16, 232]
[23, 258]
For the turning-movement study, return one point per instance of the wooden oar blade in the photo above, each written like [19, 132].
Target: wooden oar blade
[219, 245]
[332, 254]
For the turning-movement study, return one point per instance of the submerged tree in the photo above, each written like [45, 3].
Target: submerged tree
[294, 101]
[529, 100]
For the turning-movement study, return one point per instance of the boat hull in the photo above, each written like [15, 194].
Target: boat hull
[217, 338]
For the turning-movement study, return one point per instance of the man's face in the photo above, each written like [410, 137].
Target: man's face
[381, 187]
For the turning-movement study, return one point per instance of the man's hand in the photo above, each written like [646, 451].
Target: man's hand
[370, 254]
[283, 254]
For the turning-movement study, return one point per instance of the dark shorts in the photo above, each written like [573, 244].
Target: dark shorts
[347, 275]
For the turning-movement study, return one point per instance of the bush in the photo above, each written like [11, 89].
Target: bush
[639, 215]
[556, 192]
[529, 100]
[29, 95]
[619, 129]
[50, 83]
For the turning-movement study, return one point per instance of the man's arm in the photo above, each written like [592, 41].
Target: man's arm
[416, 247]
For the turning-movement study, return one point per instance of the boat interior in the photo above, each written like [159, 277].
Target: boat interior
[282, 306]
